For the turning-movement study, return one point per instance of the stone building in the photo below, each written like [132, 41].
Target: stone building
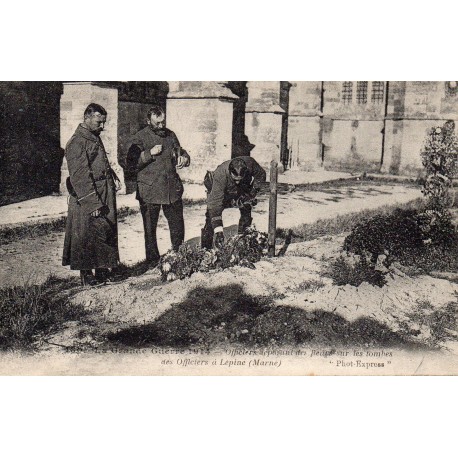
[372, 126]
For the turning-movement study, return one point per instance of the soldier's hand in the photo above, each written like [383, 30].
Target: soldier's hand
[180, 162]
[103, 211]
[183, 161]
[218, 240]
[156, 150]
[245, 201]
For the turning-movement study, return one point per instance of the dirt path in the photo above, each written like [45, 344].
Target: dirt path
[32, 260]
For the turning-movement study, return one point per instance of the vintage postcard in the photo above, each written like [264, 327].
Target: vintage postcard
[228, 228]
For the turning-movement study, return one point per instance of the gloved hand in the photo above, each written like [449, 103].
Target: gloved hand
[246, 201]
[183, 160]
[218, 240]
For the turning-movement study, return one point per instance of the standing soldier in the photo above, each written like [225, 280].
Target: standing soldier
[234, 183]
[91, 236]
[155, 154]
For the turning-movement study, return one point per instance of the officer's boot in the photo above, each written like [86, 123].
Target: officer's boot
[87, 278]
[102, 275]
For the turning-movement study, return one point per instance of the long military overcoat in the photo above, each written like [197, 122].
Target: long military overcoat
[90, 242]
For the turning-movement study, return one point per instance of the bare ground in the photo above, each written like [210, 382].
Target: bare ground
[284, 301]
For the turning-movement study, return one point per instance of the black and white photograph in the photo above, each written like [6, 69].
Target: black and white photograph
[229, 227]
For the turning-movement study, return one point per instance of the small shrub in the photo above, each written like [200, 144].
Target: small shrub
[440, 159]
[241, 250]
[344, 223]
[344, 272]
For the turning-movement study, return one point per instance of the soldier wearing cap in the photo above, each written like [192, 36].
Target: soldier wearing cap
[234, 183]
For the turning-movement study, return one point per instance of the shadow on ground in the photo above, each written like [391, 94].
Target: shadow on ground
[227, 315]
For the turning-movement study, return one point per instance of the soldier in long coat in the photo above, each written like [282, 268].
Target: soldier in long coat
[91, 236]
[155, 155]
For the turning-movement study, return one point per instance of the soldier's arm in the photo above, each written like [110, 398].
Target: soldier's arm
[137, 157]
[259, 175]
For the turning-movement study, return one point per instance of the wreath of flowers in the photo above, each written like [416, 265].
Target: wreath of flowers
[241, 250]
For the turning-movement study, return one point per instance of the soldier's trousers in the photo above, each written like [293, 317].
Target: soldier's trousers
[174, 214]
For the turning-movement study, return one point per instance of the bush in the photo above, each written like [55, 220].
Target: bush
[440, 159]
[241, 250]
[400, 234]
[344, 223]
[413, 235]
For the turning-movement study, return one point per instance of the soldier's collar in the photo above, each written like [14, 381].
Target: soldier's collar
[86, 133]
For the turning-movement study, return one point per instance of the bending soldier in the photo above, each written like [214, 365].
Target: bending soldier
[234, 183]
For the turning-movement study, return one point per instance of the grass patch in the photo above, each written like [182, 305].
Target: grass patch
[41, 228]
[343, 223]
[441, 322]
[310, 285]
[31, 230]
[344, 272]
[345, 182]
[189, 202]
[30, 313]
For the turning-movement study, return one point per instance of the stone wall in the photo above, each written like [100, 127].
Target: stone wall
[413, 108]
[264, 121]
[304, 125]
[352, 130]
[353, 146]
[201, 115]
